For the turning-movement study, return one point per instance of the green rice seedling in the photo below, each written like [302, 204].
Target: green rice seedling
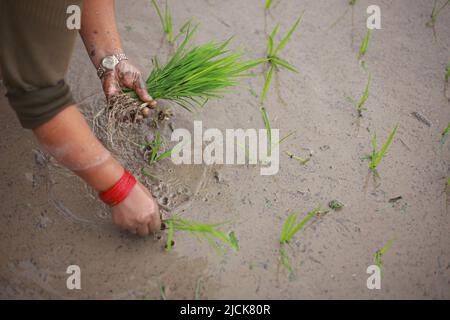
[154, 147]
[268, 4]
[208, 232]
[290, 228]
[360, 105]
[444, 134]
[263, 159]
[375, 157]
[447, 72]
[166, 20]
[272, 55]
[267, 82]
[162, 292]
[192, 76]
[352, 4]
[146, 173]
[286, 261]
[436, 12]
[198, 285]
[379, 254]
[269, 136]
[365, 44]
[167, 24]
[302, 161]
[268, 129]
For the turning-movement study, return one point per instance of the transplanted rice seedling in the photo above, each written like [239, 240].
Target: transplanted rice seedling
[198, 286]
[352, 4]
[290, 229]
[269, 137]
[162, 292]
[166, 22]
[263, 159]
[268, 4]
[365, 44]
[154, 147]
[272, 55]
[360, 105]
[379, 254]
[436, 11]
[302, 161]
[268, 129]
[375, 157]
[208, 232]
[444, 134]
[447, 72]
[192, 76]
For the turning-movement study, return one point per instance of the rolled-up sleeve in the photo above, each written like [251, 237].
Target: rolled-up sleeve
[35, 51]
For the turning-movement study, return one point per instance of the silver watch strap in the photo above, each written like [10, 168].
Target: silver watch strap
[101, 70]
[121, 56]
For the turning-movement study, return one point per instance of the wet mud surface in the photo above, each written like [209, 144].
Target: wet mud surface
[49, 219]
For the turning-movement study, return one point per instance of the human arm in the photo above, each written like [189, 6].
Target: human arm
[101, 38]
[68, 138]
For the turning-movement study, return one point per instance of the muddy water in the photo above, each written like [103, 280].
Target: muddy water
[50, 220]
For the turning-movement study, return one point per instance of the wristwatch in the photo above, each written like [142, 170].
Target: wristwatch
[108, 63]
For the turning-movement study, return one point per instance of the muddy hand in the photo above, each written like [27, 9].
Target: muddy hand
[138, 213]
[126, 75]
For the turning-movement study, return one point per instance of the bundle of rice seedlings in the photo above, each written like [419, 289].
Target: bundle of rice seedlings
[208, 232]
[192, 76]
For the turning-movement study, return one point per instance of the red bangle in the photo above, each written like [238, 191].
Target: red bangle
[118, 192]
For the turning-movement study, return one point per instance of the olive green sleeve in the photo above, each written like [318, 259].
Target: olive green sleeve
[35, 51]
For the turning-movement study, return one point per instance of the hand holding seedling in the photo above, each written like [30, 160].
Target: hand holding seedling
[138, 213]
[101, 39]
[126, 75]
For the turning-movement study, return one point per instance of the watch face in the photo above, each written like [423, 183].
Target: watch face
[109, 62]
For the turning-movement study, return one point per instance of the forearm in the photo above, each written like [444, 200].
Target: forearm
[99, 30]
[68, 138]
